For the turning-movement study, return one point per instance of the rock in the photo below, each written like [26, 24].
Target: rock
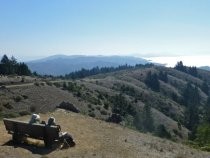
[68, 106]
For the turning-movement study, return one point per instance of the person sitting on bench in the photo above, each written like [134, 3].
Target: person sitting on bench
[35, 118]
[65, 137]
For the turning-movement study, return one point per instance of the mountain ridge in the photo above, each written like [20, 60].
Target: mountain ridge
[62, 64]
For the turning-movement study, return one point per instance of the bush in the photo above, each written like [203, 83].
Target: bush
[68, 106]
[103, 112]
[48, 83]
[89, 106]
[106, 105]
[162, 132]
[36, 84]
[203, 135]
[25, 96]
[32, 109]
[22, 113]
[10, 115]
[8, 106]
[42, 84]
[98, 108]
[18, 98]
[92, 114]
[22, 79]
[177, 133]
[115, 118]
[57, 85]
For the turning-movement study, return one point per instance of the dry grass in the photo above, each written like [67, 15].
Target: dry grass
[95, 138]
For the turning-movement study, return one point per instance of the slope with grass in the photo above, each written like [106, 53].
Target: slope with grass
[96, 138]
[98, 96]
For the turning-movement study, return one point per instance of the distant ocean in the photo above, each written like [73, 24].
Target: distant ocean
[198, 60]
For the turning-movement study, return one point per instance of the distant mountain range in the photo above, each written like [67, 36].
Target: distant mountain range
[62, 64]
[205, 68]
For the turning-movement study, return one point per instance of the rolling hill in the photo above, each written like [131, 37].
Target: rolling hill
[126, 97]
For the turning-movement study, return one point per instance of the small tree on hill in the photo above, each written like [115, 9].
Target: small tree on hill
[163, 76]
[179, 66]
[205, 87]
[147, 120]
[152, 82]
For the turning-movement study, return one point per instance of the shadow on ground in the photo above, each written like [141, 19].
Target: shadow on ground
[41, 150]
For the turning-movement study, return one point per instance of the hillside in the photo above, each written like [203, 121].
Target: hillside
[61, 64]
[95, 138]
[126, 97]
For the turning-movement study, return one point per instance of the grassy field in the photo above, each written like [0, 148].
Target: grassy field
[98, 139]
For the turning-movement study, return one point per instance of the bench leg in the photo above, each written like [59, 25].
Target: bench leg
[16, 138]
[48, 143]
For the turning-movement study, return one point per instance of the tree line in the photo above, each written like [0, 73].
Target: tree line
[189, 70]
[10, 66]
[96, 70]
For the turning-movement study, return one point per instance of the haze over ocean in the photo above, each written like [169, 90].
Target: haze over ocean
[145, 28]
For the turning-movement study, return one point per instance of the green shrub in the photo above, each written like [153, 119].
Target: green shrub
[32, 109]
[42, 84]
[103, 112]
[36, 84]
[18, 98]
[25, 96]
[203, 135]
[162, 132]
[57, 84]
[22, 79]
[89, 106]
[22, 113]
[92, 114]
[98, 108]
[177, 133]
[48, 83]
[8, 106]
[106, 105]
[10, 115]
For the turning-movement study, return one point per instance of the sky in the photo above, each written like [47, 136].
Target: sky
[31, 29]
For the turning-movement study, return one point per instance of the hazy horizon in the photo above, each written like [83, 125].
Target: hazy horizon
[35, 29]
[148, 28]
[168, 61]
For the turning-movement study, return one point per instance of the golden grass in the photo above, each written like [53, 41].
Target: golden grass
[95, 138]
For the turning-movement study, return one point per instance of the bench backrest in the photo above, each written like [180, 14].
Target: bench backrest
[38, 131]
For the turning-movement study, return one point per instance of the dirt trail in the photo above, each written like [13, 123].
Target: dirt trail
[98, 139]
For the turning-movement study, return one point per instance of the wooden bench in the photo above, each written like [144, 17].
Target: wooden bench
[20, 129]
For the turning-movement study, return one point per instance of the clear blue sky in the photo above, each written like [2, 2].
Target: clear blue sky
[37, 28]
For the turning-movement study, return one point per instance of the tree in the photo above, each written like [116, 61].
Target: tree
[205, 88]
[122, 106]
[5, 59]
[203, 135]
[147, 120]
[179, 66]
[152, 82]
[23, 69]
[191, 99]
[163, 76]
[207, 111]
[193, 71]
[13, 60]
